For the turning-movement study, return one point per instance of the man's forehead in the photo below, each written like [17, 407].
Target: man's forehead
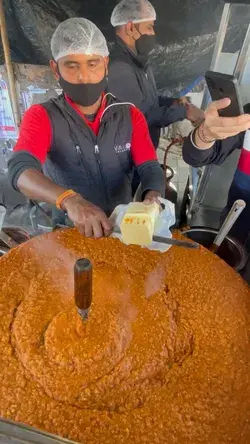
[147, 23]
[79, 58]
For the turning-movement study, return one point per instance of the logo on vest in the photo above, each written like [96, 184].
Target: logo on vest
[122, 148]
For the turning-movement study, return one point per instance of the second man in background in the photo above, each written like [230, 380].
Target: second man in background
[130, 75]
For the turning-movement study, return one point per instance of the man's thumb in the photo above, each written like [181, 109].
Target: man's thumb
[214, 107]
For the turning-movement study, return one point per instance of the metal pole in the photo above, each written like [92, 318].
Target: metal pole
[243, 57]
[218, 47]
[221, 36]
[9, 67]
[203, 183]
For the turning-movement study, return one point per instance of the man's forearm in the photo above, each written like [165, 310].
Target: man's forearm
[166, 101]
[194, 155]
[34, 185]
[26, 176]
[152, 178]
[165, 115]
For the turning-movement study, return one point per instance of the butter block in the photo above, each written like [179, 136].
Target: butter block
[138, 224]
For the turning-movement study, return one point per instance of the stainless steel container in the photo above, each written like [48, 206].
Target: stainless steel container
[231, 251]
[40, 223]
[3, 250]
[18, 234]
[15, 433]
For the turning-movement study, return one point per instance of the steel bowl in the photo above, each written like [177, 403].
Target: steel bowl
[40, 223]
[17, 234]
[3, 250]
[231, 250]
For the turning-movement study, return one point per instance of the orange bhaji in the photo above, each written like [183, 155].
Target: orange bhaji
[164, 357]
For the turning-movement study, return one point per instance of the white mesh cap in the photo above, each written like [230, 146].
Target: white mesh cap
[78, 36]
[136, 11]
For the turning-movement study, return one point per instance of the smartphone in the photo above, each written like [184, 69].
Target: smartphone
[225, 86]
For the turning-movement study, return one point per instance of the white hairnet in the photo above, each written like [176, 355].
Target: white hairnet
[136, 11]
[78, 36]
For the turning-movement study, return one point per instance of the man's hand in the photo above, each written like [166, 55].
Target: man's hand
[151, 197]
[194, 114]
[90, 220]
[215, 127]
[184, 101]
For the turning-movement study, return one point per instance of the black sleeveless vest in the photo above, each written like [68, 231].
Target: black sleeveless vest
[100, 168]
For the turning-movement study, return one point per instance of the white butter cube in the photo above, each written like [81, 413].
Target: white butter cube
[138, 224]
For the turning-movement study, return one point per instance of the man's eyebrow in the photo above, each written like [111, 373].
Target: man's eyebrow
[70, 62]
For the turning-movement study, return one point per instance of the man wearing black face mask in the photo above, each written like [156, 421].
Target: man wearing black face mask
[78, 152]
[130, 75]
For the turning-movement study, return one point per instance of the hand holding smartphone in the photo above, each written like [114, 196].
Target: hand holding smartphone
[225, 116]
[223, 86]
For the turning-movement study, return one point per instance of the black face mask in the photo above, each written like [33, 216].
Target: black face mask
[145, 44]
[85, 94]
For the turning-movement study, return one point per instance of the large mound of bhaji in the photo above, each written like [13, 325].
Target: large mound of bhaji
[164, 357]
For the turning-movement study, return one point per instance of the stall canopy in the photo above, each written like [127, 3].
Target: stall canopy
[186, 32]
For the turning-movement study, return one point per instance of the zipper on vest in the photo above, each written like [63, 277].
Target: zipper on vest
[97, 154]
[82, 161]
[78, 152]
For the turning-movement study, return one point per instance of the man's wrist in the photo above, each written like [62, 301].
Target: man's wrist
[66, 198]
[152, 197]
[202, 135]
[198, 141]
[151, 194]
[63, 197]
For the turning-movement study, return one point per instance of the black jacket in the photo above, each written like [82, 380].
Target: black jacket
[215, 155]
[131, 79]
[240, 186]
[100, 168]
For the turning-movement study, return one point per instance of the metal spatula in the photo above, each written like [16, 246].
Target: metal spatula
[168, 241]
[230, 220]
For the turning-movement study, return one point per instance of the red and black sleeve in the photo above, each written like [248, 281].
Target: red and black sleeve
[33, 144]
[144, 155]
[35, 133]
